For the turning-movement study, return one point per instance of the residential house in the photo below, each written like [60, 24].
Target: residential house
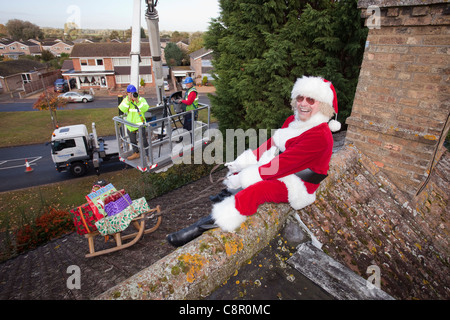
[107, 65]
[182, 45]
[58, 46]
[25, 76]
[201, 64]
[15, 48]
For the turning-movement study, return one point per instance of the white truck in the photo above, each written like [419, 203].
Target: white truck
[74, 149]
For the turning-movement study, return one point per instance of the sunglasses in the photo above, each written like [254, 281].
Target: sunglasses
[310, 101]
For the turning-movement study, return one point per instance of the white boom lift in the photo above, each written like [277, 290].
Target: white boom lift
[74, 149]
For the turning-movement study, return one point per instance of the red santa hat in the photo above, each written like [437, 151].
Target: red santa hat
[321, 90]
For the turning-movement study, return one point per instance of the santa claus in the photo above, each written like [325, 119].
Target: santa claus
[286, 168]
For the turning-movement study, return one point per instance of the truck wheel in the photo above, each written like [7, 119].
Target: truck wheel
[78, 169]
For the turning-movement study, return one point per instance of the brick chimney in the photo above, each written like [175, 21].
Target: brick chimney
[400, 114]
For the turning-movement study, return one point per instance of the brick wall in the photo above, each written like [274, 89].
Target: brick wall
[362, 219]
[402, 100]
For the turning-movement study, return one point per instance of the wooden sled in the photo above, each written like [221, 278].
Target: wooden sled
[138, 223]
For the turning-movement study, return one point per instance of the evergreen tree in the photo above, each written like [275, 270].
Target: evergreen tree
[262, 46]
[173, 54]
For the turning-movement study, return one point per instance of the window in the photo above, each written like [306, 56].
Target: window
[26, 78]
[146, 62]
[99, 62]
[123, 78]
[63, 144]
[206, 63]
[120, 62]
[83, 62]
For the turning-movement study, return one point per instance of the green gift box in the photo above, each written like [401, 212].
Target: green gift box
[121, 221]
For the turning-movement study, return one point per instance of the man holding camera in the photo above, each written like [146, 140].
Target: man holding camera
[135, 107]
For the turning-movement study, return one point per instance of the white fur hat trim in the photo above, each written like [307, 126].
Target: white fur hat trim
[313, 87]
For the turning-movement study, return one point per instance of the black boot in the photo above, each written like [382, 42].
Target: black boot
[179, 238]
[221, 195]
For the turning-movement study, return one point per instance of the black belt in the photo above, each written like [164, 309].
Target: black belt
[310, 176]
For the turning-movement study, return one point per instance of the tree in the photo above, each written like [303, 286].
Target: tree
[173, 54]
[261, 47]
[179, 36]
[23, 30]
[195, 42]
[51, 101]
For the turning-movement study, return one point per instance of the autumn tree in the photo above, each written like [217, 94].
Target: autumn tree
[23, 30]
[51, 101]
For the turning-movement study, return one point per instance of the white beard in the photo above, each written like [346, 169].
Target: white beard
[296, 128]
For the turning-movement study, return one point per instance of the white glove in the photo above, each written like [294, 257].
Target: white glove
[232, 182]
[245, 159]
[232, 166]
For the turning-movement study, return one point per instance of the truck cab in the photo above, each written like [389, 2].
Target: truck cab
[71, 149]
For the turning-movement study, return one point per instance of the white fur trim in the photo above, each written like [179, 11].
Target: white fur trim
[334, 125]
[296, 128]
[268, 156]
[297, 194]
[226, 215]
[249, 176]
[233, 182]
[245, 159]
[313, 87]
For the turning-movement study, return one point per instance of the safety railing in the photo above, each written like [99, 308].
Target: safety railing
[162, 139]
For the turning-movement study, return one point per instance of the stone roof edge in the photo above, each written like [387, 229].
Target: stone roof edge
[397, 3]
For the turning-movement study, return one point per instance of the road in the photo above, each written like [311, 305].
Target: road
[99, 102]
[12, 159]
[12, 167]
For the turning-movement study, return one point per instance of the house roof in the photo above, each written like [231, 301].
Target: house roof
[7, 42]
[85, 50]
[8, 68]
[200, 53]
[67, 65]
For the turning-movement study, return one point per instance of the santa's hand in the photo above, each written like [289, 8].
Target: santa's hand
[232, 166]
[245, 159]
[233, 182]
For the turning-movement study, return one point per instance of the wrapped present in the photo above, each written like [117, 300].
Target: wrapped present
[120, 221]
[114, 196]
[114, 207]
[83, 218]
[95, 200]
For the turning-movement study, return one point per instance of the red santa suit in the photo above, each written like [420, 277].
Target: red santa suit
[267, 174]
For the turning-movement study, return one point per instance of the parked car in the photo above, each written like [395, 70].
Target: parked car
[77, 97]
[60, 85]
[166, 86]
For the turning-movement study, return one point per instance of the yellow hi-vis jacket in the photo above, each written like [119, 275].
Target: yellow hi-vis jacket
[129, 107]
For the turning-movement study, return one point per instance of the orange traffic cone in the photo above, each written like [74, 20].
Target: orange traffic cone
[27, 165]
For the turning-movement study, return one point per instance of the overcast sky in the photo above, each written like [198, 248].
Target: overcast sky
[174, 15]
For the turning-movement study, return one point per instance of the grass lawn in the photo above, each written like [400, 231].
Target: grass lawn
[30, 127]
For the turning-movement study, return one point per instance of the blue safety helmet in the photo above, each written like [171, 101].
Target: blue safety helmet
[188, 80]
[131, 88]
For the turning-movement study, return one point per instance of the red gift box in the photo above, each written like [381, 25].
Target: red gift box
[83, 219]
